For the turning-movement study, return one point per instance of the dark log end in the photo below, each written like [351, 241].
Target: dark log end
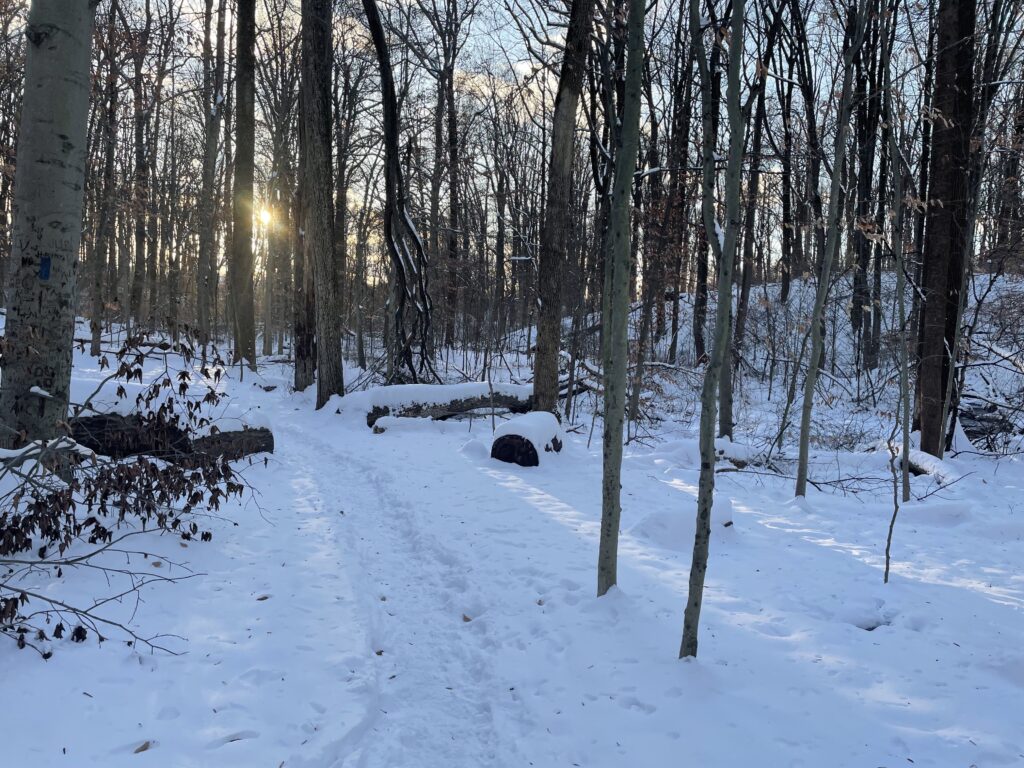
[515, 449]
[378, 412]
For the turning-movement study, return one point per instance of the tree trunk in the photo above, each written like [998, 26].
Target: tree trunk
[105, 231]
[615, 311]
[241, 264]
[947, 228]
[899, 173]
[213, 86]
[404, 245]
[725, 250]
[709, 110]
[436, 177]
[140, 200]
[317, 51]
[749, 236]
[790, 233]
[452, 246]
[48, 202]
[555, 228]
[304, 316]
[501, 201]
[835, 202]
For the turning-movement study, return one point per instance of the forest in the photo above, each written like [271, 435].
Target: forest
[426, 382]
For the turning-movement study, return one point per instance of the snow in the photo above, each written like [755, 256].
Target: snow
[357, 404]
[937, 468]
[400, 599]
[539, 427]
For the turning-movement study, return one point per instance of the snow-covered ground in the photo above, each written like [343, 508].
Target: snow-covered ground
[400, 599]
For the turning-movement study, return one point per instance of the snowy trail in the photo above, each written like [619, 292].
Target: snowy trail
[434, 686]
[548, 675]
[403, 600]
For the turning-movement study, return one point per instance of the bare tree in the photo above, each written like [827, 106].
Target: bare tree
[212, 103]
[615, 311]
[723, 242]
[317, 52]
[855, 26]
[557, 222]
[241, 263]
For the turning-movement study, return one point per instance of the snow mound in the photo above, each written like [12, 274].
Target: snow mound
[940, 513]
[475, 449]
[672, 528]
[727, 448]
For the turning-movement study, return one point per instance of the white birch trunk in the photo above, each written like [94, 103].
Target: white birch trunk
[47, 232]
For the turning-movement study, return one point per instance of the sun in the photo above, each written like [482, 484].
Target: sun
[265, 216]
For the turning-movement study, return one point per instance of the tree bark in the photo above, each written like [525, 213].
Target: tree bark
[241, 264]
[105, 231]
[615, 311]
[213, 87]
[452, 247]
[48, 202]
[711, 96]
[899, 174]
[317, 52]
[725, 251]
[140, 46]
[304, 313]
[946, 233]
[404, 245]
[856, 37]
[557, 221]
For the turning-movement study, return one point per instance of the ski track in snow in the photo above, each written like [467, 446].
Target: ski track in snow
[434, 686]
[405, 601]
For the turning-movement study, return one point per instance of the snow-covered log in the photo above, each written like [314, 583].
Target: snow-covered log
[524, 439]
[437, 401]
[922, 463]
[120, 436]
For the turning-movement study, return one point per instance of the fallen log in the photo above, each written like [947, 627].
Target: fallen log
[438, 401]
[116, 436]
[120, 436]
[921, 463]
[985, 423]
[234, 445]
[440, 411]
[524, 439]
